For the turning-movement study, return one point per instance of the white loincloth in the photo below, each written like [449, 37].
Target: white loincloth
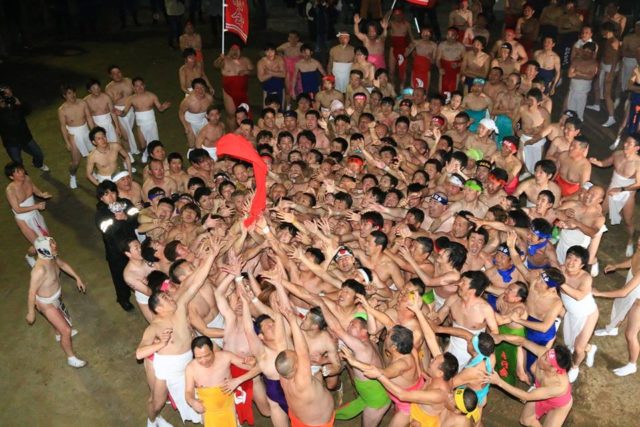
[81, 139]
[621, 306]
[617, 201]
[105, 121]
[531, 154]
[573, 237]
[458, 346]
[217, 322]
[577, 313]
[102, 178]
[146, 121]
[170, 368]
[196, 120]
[33, 219]
[439, 300]
[126, 124]
[56, 301]
[341, 70]
[141, 298]
[628, 65]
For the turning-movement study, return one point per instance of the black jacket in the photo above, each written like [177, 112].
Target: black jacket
[114, 231]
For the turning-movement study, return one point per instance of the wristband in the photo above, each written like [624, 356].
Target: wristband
[238, 279]
[254, 300]
[266, 229]
[321, 293]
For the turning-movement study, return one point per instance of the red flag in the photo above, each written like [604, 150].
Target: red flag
[425, 3]
[238, 147]
[236, 18]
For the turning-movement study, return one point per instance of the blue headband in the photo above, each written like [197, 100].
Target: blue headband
[440, 198]
[548, 280]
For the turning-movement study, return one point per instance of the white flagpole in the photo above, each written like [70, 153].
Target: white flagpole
[417, 26]
[391, 10]
[224, 23]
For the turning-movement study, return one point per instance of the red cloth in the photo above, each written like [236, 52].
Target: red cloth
[295, 422]
[236, 18]
[567, 188]
[421, 71]
[199, 57]
[511, 186]
[243, 392]
[450, 73]
[236, 87]
[238, 147]
[429, 4]
[399, 45]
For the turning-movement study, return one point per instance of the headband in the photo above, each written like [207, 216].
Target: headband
[43, 247]
[489, 124]
[473, 185]
[540, 234]
[474, 154]
[548, 280]
[504, 249]
[343, 33]
[343, 251]
[439, 120]
[117, 177]
[479, 81]
[458, 397]
[486, 163]
[355, 159]
[164, 287]
[553, 361]
[497, 180]
[359, 95]
[440, 198]
[510, 145]
[456, 180]
[329, 78]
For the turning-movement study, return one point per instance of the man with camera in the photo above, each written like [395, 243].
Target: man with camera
[14, 130]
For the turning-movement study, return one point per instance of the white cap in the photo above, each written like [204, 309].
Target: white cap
[336, 104]
[117, 177]
[43, 247]
[489, 124]
[245, 106]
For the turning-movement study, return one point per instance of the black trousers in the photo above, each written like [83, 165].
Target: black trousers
[116, 267]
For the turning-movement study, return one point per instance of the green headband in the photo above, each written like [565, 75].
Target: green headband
[473, 185]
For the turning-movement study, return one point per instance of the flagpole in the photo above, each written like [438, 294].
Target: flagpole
[224, 23]
[391, 10]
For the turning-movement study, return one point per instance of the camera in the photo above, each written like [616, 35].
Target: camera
[6, 96]
[117, 207]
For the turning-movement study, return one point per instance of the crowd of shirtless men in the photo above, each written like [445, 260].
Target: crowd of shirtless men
[421, 246]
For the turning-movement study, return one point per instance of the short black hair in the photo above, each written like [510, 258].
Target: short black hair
[104, 187]
[355, 286]
[200, 342]
[478, 281]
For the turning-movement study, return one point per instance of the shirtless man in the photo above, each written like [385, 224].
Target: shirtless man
[506, 105]
[505, 61]
[518, 53]
[341, 57]
[495, 84]
[424, 53]
[508, 160]
[291, 54]
[191, 70]
[582, 71]
[20, 192]
[309, 70]
[622, 189]
[469, 311]
[104, 159]
[101, 108]
[533, 119]
[120, 89]
[235, 70]
[368, 70]
[143, 103]
[168, 338]
[461, 18]
[448, 60]
[549, 65]
[401, 37]
[158, 178]
[209, 374]
[582, 312]
[475, 63]
[211, 132]
[477, 104]
[328, 94]
[193, 110]
[309, 402]
[573, 167]
[135, 275]
[45, 292]
[545, 170]
[75, 122]
[629, 52]
[128, 188]
[375, 259]
[271, 72]
[373, 41]
[570, 130]
[608, 70]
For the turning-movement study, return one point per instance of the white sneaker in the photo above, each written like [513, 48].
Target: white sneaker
[44, 168]
[133, 170]
[628, 369]
[74, 332]
[629, 250]
[606, 332]
[145, 156]
[151, 423]
[30, 260]
[133, 159]
[591, 355]
[73, 183]
[161, 422]
[610, 122]
[594, 107]
[75, 362]
[615, 144]
[595, 269]
[573, 374]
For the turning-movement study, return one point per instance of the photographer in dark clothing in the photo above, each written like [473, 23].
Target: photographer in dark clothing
[14, 130]
[117, 220]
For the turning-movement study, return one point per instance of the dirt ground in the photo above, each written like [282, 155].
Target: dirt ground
[37, 387]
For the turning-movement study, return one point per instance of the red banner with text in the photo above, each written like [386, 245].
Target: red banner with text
[236, 18]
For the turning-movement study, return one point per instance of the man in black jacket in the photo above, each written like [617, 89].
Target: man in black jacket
[14, 130]
[117, 220]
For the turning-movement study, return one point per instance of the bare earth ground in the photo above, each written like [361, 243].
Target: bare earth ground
[37, 387]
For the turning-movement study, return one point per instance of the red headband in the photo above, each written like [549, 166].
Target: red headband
[357, 160]
[330, 77]
[510, 145]
[551, 357]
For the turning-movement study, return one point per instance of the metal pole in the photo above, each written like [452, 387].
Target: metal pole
[391, 10]
[417, 26]
[224, 24]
